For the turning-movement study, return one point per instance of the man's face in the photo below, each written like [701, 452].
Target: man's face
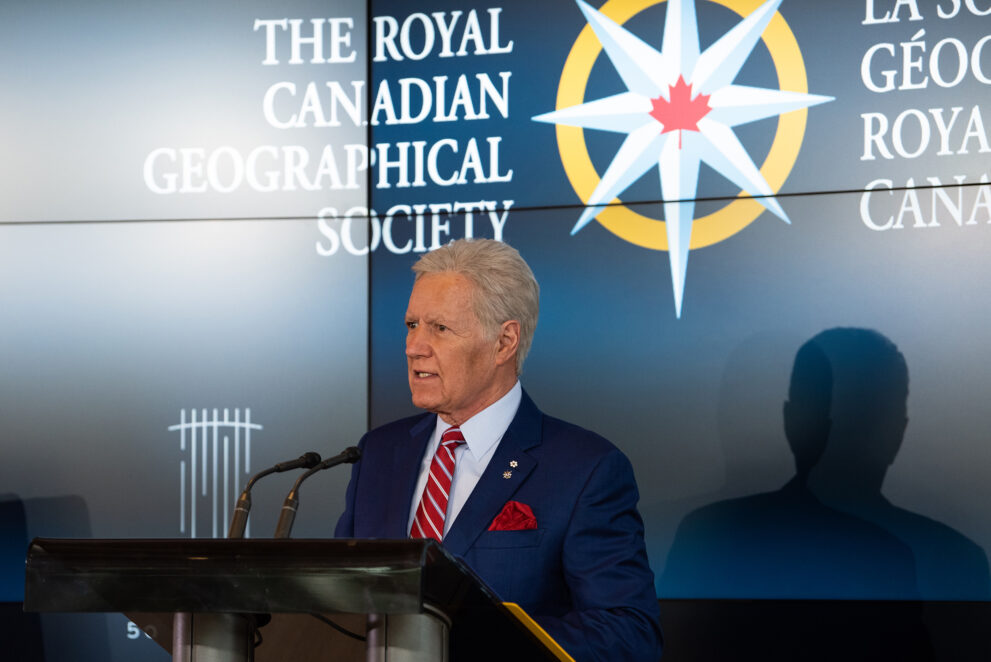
[452, 363]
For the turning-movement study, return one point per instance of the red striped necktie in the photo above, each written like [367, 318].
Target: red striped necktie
[430, 514]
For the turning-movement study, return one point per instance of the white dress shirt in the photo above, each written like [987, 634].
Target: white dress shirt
[482, 433]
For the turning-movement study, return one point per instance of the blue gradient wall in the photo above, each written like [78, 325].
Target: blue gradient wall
[130, 303]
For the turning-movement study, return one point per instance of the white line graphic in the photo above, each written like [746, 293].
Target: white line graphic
[207, 470]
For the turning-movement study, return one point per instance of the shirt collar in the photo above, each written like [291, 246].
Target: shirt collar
[484, 430]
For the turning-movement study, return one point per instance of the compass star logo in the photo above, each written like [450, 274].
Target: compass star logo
[678, 112]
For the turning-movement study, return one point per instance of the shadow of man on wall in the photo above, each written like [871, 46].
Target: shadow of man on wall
[830, 533]
[787, 544]
[869, 417]
[46, 637]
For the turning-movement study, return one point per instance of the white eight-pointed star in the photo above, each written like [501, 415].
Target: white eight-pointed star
[678, 112]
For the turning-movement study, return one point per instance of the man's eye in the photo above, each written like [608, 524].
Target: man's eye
[411, 325]
[441, 327]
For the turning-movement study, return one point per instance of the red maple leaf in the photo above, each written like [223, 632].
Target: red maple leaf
[682, 111]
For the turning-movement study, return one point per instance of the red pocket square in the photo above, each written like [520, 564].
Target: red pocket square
[515, 516]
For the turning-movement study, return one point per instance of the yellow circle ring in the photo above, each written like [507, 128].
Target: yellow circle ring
[706, 230]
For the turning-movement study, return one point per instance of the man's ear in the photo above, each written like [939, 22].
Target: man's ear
[508, 342]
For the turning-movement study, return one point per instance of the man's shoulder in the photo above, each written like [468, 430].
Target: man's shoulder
[580, 444]
[559, 428]
[398, 430]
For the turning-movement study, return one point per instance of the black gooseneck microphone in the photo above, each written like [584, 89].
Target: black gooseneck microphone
[239, 521]
[350, 455]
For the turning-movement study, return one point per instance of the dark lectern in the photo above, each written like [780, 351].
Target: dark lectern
[212, 600]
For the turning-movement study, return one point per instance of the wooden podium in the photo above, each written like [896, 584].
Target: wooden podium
[240, 600]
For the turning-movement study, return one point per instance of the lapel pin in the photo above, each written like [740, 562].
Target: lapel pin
[514, 463]
[507, 474]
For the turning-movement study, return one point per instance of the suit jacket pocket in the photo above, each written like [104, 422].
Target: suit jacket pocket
[508, 539]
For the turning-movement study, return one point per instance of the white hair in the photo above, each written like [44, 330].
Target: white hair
[504, 286]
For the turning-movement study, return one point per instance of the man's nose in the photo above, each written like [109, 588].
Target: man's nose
[416, 346]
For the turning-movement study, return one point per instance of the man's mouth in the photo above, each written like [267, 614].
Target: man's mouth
[423, 375]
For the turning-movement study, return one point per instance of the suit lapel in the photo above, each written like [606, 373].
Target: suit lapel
[405, 471]
[493, 489]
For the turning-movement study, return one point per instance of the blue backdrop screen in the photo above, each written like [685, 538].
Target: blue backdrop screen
[759, 229]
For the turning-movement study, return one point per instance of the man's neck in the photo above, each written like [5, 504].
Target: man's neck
[494, 395]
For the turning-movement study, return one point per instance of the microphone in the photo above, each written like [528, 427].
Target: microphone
[350, 455]
[239, 521]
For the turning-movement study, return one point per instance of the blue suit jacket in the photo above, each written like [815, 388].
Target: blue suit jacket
[582, 574]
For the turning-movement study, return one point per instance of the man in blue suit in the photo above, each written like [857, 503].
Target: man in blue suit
[542, 510]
